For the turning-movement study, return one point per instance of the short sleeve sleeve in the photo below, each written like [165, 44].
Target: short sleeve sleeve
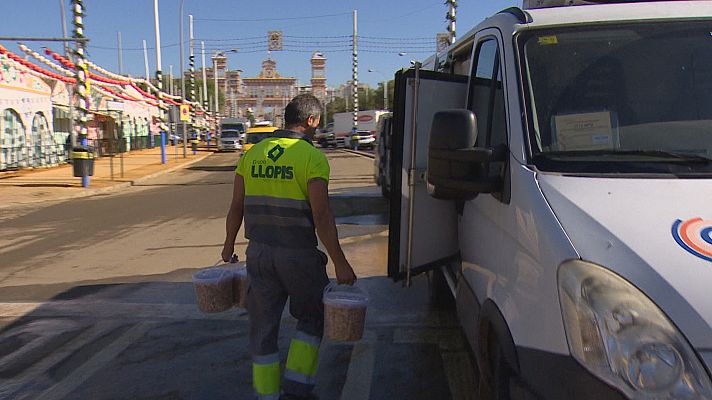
[240, 169]
[318, 167]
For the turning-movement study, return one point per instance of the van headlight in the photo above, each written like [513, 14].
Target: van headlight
[622, 337]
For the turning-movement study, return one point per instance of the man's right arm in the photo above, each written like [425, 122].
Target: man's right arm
[326, 229]
[234, 217]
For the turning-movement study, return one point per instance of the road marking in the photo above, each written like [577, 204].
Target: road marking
[359, 153]
[46, 330]
[114, 310]
[360, 372]
[92, 365]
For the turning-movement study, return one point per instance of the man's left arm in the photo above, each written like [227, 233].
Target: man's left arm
[234, 217]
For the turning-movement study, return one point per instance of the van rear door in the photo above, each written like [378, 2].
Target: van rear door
[422, 230]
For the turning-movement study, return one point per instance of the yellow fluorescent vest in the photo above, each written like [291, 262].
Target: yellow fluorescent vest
[276, 172]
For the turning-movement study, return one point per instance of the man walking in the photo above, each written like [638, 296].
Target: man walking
[281, 189]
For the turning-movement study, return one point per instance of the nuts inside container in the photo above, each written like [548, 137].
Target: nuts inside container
[213, 289]
[344, 313]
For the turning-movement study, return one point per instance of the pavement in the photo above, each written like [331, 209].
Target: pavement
[30, 186]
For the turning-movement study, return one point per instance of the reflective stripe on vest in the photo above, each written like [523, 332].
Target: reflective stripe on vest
[266, 375]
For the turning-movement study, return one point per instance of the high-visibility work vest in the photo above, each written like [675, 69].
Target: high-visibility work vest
[276, 172]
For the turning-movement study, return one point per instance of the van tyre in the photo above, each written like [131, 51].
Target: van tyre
[496, 377]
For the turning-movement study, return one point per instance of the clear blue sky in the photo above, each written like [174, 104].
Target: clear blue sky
[308, 25]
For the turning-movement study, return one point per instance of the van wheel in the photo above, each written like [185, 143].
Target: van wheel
[496, 377]
[439, 291]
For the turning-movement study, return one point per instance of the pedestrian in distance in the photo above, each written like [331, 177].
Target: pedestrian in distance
[281, 191]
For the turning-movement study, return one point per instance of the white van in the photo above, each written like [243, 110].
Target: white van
[554, 168]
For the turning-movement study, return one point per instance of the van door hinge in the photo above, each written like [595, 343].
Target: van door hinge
[416, 176]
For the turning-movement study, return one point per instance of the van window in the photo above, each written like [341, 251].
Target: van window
[486, 100]
[624, 98]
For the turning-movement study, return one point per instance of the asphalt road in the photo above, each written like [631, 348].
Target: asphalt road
[96, 300]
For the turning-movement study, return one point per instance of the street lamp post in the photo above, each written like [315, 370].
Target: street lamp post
[217, 54]
[385, 88]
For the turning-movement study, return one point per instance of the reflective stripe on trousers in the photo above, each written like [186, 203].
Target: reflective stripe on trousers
[302, 363]
[265, 376]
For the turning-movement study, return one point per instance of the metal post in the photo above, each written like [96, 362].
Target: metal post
[145, 61]
[355, 74]
[191, 58]
[70, 88]
[205, 79]
[451, 17]
[215, 80]
[412, 172]
[385, 94]
[121, 61]
[83, 85]
[182, 75]
[159, 84]
[191, 68]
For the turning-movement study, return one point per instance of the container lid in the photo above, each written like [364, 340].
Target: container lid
[212, 274]
[238, 269]
[345, 296]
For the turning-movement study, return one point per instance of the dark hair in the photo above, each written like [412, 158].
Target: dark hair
[300, 108]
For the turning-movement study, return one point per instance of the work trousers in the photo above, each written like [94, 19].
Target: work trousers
[278, 273]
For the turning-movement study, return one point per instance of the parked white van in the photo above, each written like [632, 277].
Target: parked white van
[553, 168]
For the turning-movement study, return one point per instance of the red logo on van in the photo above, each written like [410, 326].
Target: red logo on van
[365, 118]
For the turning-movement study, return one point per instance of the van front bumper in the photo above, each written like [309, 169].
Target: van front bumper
[554, 376]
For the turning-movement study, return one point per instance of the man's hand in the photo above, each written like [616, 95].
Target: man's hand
[227, 252]
[344, 273]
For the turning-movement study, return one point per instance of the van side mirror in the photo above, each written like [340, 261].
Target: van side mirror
[456, 168]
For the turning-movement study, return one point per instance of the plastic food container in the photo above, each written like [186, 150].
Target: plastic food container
[344, 312]
[213, 289]
[239, 284]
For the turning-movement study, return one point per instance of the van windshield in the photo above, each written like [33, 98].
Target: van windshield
[634, 98]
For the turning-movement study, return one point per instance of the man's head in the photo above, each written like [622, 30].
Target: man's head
[302, 114]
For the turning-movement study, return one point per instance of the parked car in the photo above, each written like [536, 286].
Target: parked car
[361, 139]
[229, 141]
[325, 137]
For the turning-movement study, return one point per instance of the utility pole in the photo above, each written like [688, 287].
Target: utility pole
[70, 88]
[182, 78]
[451, 17]
[159, 84]
[205, 79]
[121, 62]
[355, 73]
[191, 58]
[145, 60]
[83, 85]
[215, 80]
[170, 79]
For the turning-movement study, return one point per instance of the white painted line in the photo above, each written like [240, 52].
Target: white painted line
[360, 372]
[35, 376]
[89, 368]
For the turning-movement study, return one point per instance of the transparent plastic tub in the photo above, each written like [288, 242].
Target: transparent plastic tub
[213, 289]
[344, 312]
[240, 284]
